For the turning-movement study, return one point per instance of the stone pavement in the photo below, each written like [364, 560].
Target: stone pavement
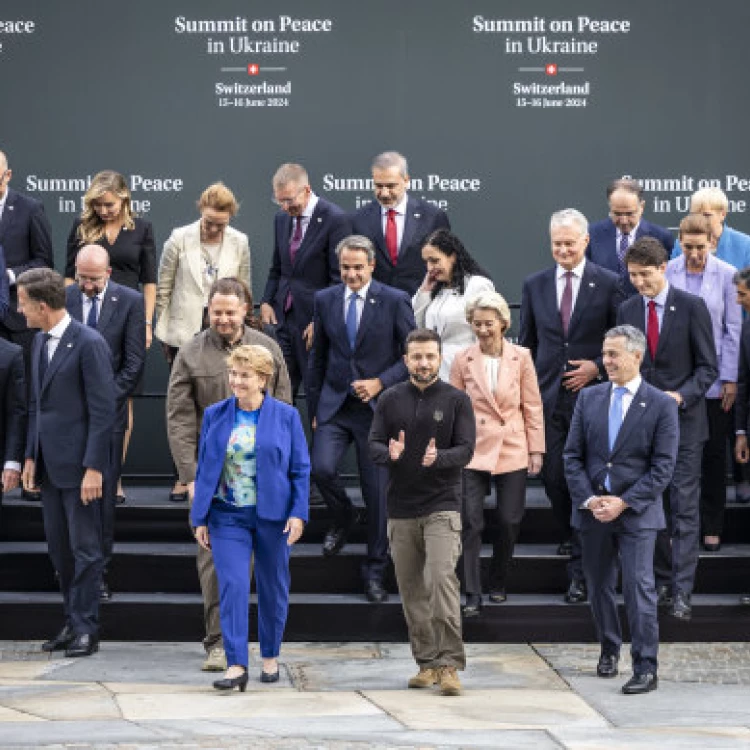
[352, 695]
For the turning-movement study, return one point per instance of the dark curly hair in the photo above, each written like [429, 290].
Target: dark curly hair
[448, 244]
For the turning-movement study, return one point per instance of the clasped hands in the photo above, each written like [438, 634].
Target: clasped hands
[606, 508]
[396, 449]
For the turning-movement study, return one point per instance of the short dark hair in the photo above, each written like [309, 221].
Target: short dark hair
[423, 336]
[231, 286]
[631, 186]
[696, 224]
[742, 276]
[646, 251]
[44, 285]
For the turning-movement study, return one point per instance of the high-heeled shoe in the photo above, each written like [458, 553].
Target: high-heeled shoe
[230, 683]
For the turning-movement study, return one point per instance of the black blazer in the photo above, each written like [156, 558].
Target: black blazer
[122, 324]
[12, 403]
[742, 408]
[685, 359]
[422, 218]
[541, 331]
[26, 242]
[315, 265]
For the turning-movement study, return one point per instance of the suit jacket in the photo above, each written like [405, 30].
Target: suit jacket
[602, 248]
[422, 218]
[180, 298]
[315, 264]
[510, 421]
[640, 464]
[386, 320]
[12, 404]
[26, 242]
[742, 407]
[541, 328]
[4, 290]
[122, 324]
[72, 412]
[282, 460]
[685, 356]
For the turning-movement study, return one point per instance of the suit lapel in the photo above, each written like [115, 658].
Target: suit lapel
[8, 213]
[76, 303]
[412, 219]
[314, 228]
[370, 311]
[549, 297]
[670, 312]
[374, 222]
[109, 304]
[638, 407]
[193, 252]
[476, 367]
[586, 291]
[64, 349]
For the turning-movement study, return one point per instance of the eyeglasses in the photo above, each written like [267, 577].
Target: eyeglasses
[80, 278]
[288, 201]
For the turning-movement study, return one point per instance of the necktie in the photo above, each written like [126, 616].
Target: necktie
[621, 250]
[43, 358]
[391, 236]
[566, 301]
[294, 244]
[93, 316]
[615, 422]
[351, 320]
[652, 329]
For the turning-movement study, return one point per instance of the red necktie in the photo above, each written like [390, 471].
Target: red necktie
[652, 329]
[391, 236]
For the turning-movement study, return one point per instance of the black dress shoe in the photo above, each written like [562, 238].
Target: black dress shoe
[565, 548]
[178, 497]
[498, 596]
[663, 596]
[335, 538]
[641, 683]
[105, 595]
[121, 499]
[607, 666]
[33, 496]
[82, 645]
[269, 676]
[230, 683]
[473, 606]
[681, 609]
[375, 592]
[576, 593]
[60, 641]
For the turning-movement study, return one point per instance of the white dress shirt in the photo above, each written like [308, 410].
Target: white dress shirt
[631, 235]
[575, 282]
[306, 216]
[400, 218]
[87, 304]
[362, 293]
[55, 334]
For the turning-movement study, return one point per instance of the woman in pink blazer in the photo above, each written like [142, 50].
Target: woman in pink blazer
[500, 379]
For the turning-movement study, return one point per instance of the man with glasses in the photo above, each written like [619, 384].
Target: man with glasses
[611, 238]
[307, 230]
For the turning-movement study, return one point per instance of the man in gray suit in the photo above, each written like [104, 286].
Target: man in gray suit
[619, 458]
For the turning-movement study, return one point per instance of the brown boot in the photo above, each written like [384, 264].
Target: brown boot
[449, 682]
[426, 678]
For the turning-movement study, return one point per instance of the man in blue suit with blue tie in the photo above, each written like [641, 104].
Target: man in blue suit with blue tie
[71, 417]
[360, 335]
[619, 458]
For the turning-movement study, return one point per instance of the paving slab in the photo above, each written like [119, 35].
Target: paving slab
[79, 733]
[666, 738]
[60, 701]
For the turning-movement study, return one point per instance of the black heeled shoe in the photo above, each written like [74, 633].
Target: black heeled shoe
[230, 683]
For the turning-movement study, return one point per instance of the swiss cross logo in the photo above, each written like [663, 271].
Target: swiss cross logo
[253, 69]
[551, 69]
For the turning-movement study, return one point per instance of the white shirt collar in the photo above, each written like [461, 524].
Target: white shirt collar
[362, 292]
[3, 201]
[399, 208]
[632, 385]
[310, 207]
[661, 298]
[56, 332]
[631, 234]
[577, 271]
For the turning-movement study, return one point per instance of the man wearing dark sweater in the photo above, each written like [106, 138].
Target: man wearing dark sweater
[424, 433]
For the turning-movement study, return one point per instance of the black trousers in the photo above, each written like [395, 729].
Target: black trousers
[511, 496]
[714, 477]
[109, 501]
[292, 344]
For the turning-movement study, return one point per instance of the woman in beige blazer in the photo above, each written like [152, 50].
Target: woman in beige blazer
[193, 258]
[500, 379]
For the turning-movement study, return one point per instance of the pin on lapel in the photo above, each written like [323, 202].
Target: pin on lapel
[114, 299]
[372, 301]
[591, 284]
[417, 216]
[320, 221]
[70, 346]
[11, 208]
[643, 404]
[671, 308]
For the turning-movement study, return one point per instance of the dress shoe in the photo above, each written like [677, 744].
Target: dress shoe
[641, 683]
[230, 683]
[60, 641]
[269, 676]
[375, 592]
[745, 600]
[607, 666]
[712, 546]
[178, 497]
[82, 645]
[120, 498]
[216, 660]
[566, 548]
[105, 594]
[681, 608]
[335, 538]
[576, 593]
[449, 682]
[498, 596]
[316, 499]
[33, 496]
[473, 606]
[663, 596]
[427, 677]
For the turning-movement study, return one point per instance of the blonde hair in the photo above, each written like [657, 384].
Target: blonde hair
[219, 197]
[710, 197]
[489, 301]
[254, 357]
[91, 228]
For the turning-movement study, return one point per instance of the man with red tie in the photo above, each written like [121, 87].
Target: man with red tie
[680, 359]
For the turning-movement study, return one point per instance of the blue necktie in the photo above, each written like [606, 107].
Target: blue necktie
[615, 421]
[43, 358]
[351, 320]
[92, 316]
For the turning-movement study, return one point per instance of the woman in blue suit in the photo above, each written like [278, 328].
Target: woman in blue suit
[251, 497]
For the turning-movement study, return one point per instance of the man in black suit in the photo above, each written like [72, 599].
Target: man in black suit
[397, 224]
[12, 416]
[71, 418]
[116, 312]
[619, 458]
[680, 360]
[565, 312]
[611, 238]
[307, 230]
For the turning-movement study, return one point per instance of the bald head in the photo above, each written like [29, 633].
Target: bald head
[92, 269]
[5, 174]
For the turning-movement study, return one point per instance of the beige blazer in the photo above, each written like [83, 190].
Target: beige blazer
[510, 423]
[179, 291]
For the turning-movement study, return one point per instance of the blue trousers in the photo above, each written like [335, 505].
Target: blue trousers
[237, 533]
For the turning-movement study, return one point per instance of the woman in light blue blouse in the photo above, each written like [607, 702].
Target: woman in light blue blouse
[251, 497]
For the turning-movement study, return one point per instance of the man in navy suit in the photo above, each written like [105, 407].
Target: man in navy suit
[116, 312]
[307, 230]
[619, 458]
[397, 224]
[360, 333]
[71, 418]
[611, 238]
[12, 415]
[680, 360]
[565, 311]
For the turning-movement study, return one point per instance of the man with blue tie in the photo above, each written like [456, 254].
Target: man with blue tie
[71, 418]
[116, 312]
[307, 230]
[360, 333]
[619, 458]
[680, 360]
